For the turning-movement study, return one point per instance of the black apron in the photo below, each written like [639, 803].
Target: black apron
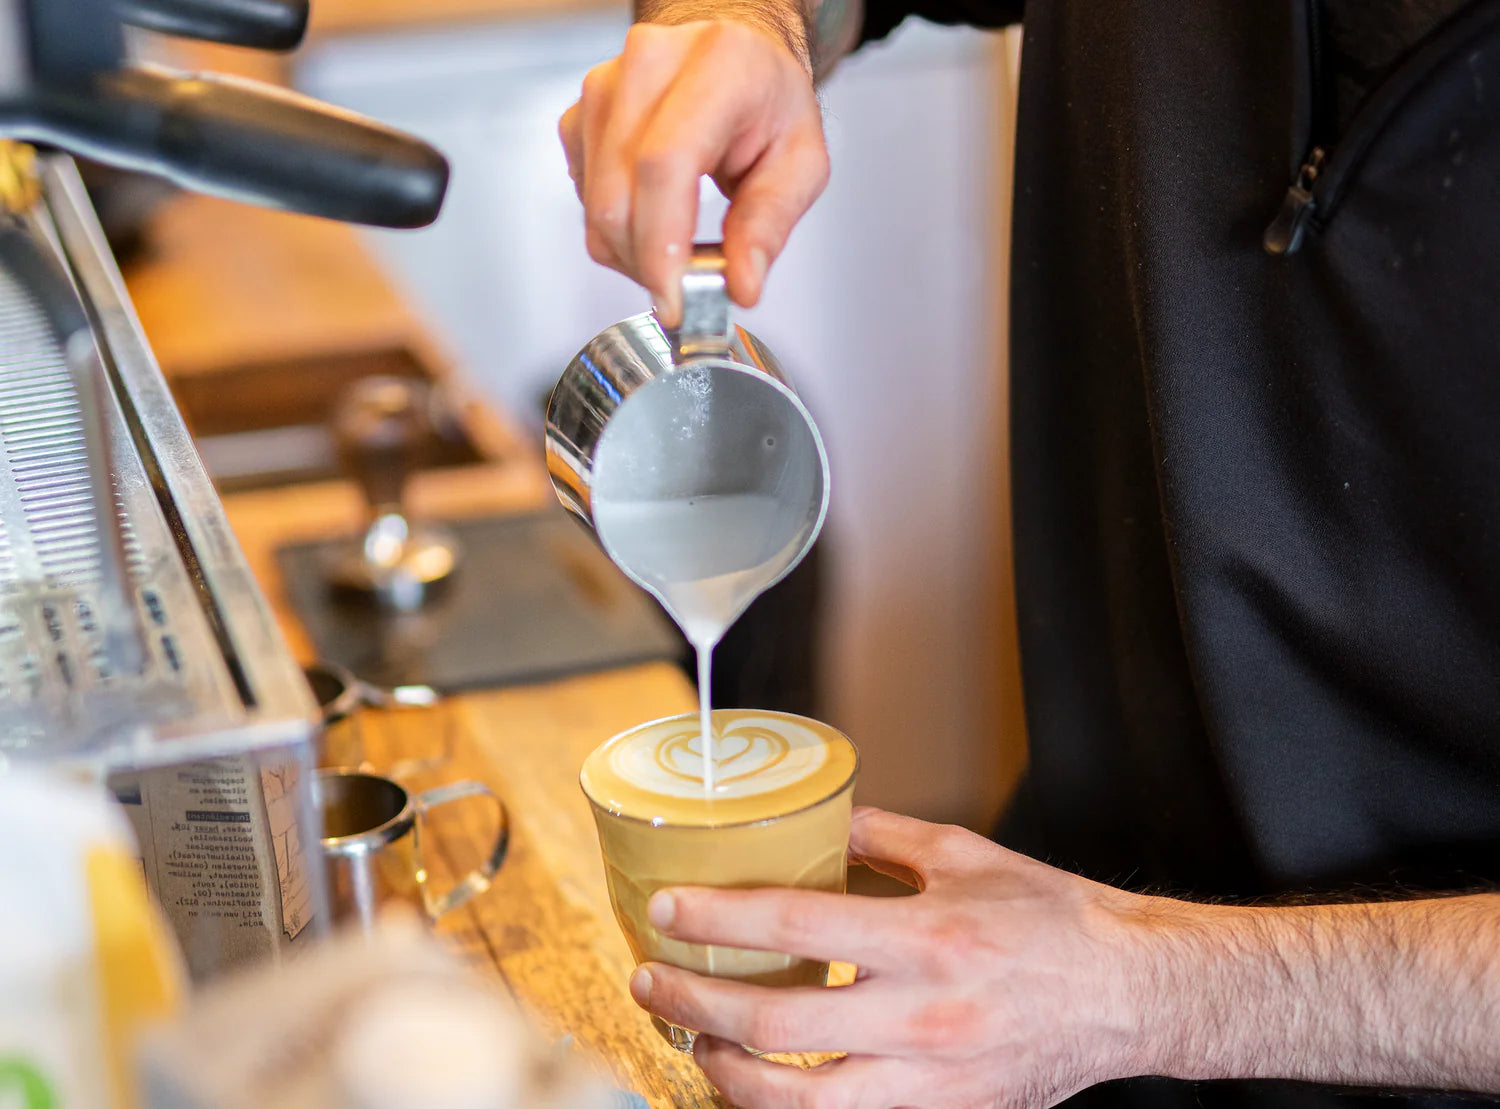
[1257, 495]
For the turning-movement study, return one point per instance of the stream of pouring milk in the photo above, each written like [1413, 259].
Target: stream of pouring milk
[706, 558]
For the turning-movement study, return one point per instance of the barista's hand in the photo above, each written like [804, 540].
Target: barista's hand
[1007, 983]
[723, 98]
[1004, 982]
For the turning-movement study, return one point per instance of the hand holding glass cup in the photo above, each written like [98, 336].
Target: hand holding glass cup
[778, 816]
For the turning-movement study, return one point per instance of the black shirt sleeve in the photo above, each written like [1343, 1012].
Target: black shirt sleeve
[883, 16]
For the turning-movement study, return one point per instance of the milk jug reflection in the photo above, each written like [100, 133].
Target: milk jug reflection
[778, 815]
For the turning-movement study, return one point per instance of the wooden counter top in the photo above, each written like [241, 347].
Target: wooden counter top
[545, 929]
[224, 285]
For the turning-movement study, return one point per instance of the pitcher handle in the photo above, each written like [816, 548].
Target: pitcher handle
[705, 330]
[475, 881]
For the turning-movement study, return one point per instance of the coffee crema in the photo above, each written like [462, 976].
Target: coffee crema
[764, 766]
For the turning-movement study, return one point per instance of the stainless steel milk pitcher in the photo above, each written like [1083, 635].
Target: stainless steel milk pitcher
[643, 414]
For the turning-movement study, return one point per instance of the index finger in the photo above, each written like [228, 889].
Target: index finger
[914, 851]
[810, 924]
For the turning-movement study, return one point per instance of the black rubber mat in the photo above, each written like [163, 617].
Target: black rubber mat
[532, 599]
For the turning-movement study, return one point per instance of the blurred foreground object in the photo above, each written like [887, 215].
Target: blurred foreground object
[365, 1022]
[85, 961]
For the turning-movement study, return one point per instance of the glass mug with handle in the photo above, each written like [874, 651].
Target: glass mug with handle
[778, 816]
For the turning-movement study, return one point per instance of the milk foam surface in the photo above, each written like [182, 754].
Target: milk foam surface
[765, 765]
[705, 557]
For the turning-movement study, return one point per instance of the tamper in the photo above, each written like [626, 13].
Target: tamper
[383, 431]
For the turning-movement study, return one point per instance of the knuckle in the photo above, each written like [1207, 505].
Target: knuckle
[720, 33]
[643, 41]
[598, 247]
[663, 162]
[670, 999]
[796, 922]
[945, 1027]
[597, 83]
[817, 165]
[602, 215]
[640, 34]
[952, 839]
[768, 1026]
[951, 941]
[728, 35]
[823, 1095]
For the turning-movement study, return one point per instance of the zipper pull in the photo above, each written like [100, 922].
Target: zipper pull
[1284, 236]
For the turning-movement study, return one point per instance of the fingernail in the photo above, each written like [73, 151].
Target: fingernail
[640, 987]
[669, 308]
[661, 910]
[758, 264]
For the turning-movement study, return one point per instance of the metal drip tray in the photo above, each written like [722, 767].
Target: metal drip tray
[217, 678]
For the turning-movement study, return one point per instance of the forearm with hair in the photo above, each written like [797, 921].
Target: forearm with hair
[818, 32]
[1389, 994]
[788, 20]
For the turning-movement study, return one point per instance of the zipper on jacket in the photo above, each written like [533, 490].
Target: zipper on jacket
[1325, 173]
[1284, 236]
[1309, 137]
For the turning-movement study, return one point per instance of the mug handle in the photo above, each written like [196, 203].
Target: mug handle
[477, 880]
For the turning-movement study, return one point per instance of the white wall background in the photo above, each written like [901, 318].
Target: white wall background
[887, 310]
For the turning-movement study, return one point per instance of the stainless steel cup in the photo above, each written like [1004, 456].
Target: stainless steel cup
[643, 414]
[342, 699]
[372, 845]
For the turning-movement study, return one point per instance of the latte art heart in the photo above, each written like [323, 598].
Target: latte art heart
[738, 753]
[752, 755]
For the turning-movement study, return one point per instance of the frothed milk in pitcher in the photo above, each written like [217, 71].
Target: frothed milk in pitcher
[709, 488]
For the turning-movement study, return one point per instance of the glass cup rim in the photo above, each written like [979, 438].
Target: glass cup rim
[654, 823]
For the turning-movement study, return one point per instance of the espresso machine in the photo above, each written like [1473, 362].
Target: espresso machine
[135, 647]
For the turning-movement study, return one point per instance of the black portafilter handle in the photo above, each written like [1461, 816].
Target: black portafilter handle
[261, 24]
[240, 140]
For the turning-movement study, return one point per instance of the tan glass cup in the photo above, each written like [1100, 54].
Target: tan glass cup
[779, 816]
